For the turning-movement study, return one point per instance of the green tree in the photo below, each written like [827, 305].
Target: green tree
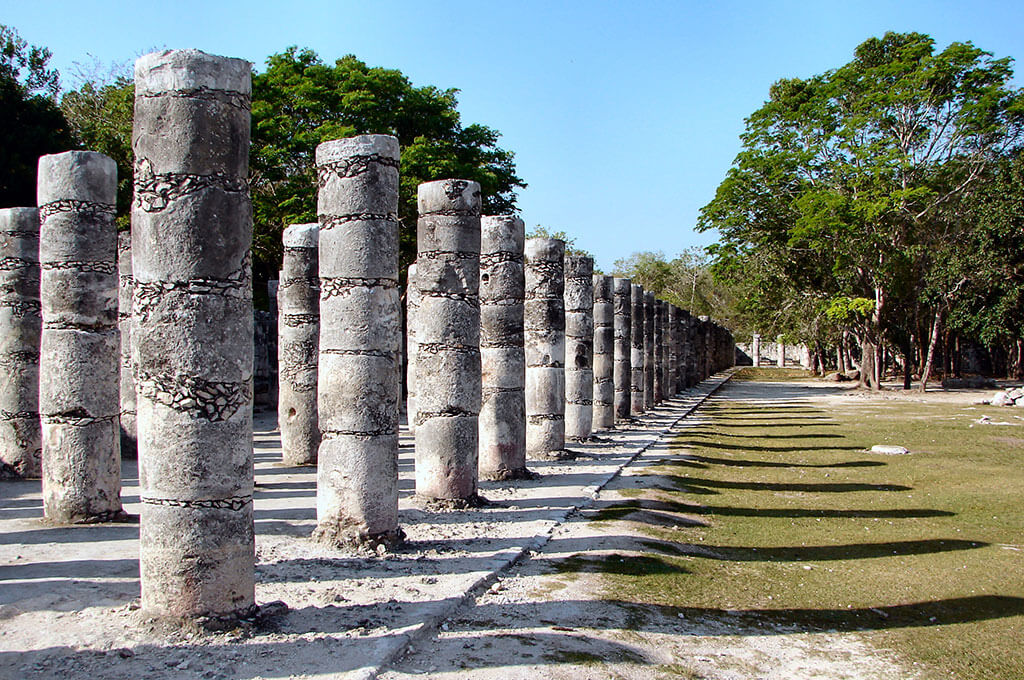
[100, 114]
[845, 181]
[299, 102]
[31, 125]
[571, 248]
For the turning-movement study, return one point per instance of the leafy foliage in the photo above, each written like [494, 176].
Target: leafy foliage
[31, 125]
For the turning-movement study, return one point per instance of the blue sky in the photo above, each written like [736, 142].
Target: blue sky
[623, 116]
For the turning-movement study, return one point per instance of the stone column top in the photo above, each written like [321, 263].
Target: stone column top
[302, 235]
[502, 234]
[161, 72]
[356, 152]
[87, 177]
[449, 197]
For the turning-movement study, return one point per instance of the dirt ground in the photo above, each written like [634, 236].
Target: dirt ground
[472, 595]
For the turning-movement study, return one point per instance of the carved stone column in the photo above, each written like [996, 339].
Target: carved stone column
[604, 353]
[298, 347]
[20, 326]
[79, 376]
[545, 348]
[579, 346]
[622, 301]
[357, 388]
[502, 289]
[192, 333]
[448, 332]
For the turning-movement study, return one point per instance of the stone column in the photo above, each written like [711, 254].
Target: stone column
[298, 345]
[755, 350]
[544, 325]
[79, 378]
[623, 319]
[579, 347]
[636, 355]
[192, 333]
[20, 326]
[357, 384]
[412, 306]
[666, 350]
[673, 332]
[502, 358]
[649, 366]
[659, 351]
[448, 366]
[604, 353]
[780, 359]
[126, 288]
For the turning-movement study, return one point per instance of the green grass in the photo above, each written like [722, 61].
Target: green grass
[778, 518]
[772, 374]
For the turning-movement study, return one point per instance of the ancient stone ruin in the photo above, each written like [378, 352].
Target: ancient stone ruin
[21, 443]
[502, 356]
[579, 347]
[298, 345]
[357, 388]
[604, 354]
[80, 348]
[192, 333]
[448, 372]
[544, 325]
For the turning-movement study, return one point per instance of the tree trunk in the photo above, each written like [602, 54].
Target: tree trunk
[908, 366]
[957, 359]
[1019, 369]
[926, 369]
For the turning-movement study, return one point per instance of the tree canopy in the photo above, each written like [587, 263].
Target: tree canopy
[31, 125]
[849, 184]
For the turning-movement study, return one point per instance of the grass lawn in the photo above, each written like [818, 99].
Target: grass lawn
[775, 517]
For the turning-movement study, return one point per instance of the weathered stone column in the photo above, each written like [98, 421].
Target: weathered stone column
[502, 357]
[666, 342]
[544, 325]
[412, 306]
[357, 383]
[673, 332]
[755, 350]
[298, 345]
[579, 347]
[659, 351]
[20, 326]
[79, 378]
[192, 333]
[649, 365]
[448, 332]
[604, 353]
[623, 319]
[126, 289]
[636, 355]
[780, 359]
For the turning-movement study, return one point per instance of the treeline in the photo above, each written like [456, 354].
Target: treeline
[298, 101]
[878, 208]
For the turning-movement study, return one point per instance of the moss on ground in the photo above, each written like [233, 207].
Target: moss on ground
[772, 374]
[781, 520]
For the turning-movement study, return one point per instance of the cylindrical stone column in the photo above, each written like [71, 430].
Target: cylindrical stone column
[636, 354]
[298, 345]
[357, 382]
[649, 365]
[192, 333]
[502, 358]
[755, 350]
[579, 347]
[126, 288]
[544, 326]
[659, 351]
[20, 327]
[604, 353]
[448, 333]
[412, 307]
[623, 327]
[672, 372]
[780, 359]
[79, 377]
[667, 386]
